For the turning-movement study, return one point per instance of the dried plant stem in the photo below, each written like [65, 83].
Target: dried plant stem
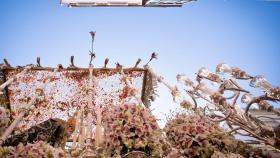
[18, 118]
[245, 128]
[98, 133]
[5, 84]
[235, 99]
[77, 128]
[134, 92]
[82, 129]
[170, 87]
[90, 104]
[234, 130]
[159, 78]
[258, 100]
[22, 113]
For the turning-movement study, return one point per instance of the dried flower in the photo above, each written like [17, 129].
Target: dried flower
[183, 79]
[154, 55]
[131, 127]
[239, 74]
[203, 72]
[92, 33]
[247, 98]
[4, 119]
[106, 62]
[260, 82]
[193, 135]
[274, 92]
[137, 62]
[38, 149]
[218, 154]
[186, 104]
[177, 97]
[264, 105]
[218, 99]
[223, 68]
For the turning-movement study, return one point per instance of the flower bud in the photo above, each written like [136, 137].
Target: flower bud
[223, 68]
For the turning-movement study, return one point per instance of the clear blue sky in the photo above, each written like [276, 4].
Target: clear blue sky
[244, 33]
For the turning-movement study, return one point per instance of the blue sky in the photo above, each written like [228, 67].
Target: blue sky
[243, 33]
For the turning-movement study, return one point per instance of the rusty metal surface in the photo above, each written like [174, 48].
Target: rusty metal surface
[66, 91]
